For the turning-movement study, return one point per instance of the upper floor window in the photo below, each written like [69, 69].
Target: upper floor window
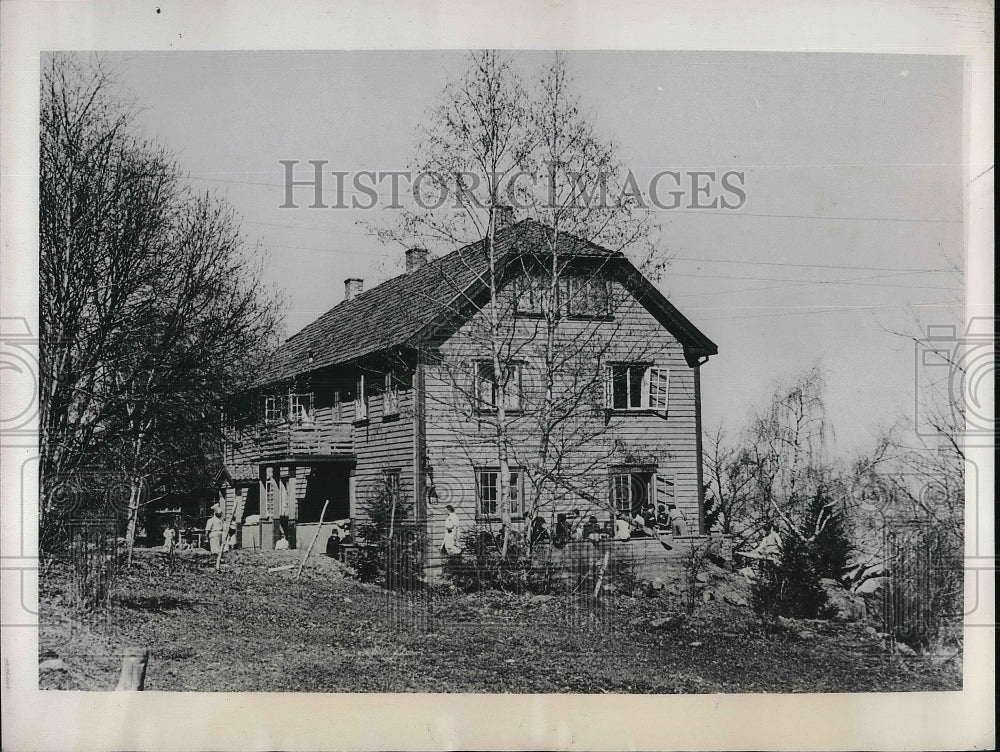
[390, 396]
[275, 408]
[488, 492]
[361, 400]
[487, 386]
[535, 294]
[574, 295]
[636, 386]
[293, 407]
[300, 408]
[586, 296]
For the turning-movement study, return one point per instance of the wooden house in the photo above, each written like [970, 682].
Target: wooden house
[392, 388]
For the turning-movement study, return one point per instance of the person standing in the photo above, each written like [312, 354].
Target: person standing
[452, 527]
[215, 528]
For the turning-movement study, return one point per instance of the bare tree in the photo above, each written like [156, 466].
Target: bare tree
[150, 301]
[729, 476]
[786, 451]
[495, 147]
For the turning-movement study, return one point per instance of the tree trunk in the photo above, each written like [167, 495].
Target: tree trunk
[134, 496]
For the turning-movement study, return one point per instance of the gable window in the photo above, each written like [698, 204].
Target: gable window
[488, 493]
[487, 387]
[300, 408]
[390, 396]
[586, 296]
[636, 386]
[534, 294]
[575, 295]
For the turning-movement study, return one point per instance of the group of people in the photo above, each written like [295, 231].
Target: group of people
[574, 526]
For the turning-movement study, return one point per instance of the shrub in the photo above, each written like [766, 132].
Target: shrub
[394, 554]
[792, 586]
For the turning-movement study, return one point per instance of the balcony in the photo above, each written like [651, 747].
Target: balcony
[292, 442]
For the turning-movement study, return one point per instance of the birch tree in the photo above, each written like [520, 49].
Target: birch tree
[492, 148]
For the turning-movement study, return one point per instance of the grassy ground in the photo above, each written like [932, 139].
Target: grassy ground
[249, 629]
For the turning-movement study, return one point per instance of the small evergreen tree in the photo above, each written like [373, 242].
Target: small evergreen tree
[830, 547]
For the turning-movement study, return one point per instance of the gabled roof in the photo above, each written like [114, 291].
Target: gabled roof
[399, 311]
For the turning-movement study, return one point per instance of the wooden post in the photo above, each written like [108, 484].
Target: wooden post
[600, 575]
[225, 534]
[315, 538]
[133, 674]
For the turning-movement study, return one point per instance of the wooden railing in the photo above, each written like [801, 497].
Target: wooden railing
[291, 440]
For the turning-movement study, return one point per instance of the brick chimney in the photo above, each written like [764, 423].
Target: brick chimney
[353, 287]
[503, 215]
[415, 258]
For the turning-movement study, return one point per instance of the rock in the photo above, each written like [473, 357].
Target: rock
[841, 604]
[806, 634]
[539, 599]
[51, 664]
[666, 622]
[901, 648]
[703, 576]
[871, 632]
[733, 599]
[695, 644]
[707, 596]
[657, 584]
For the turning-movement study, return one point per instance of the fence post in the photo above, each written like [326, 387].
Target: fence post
[133, 674]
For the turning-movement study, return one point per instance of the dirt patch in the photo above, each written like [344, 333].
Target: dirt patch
[248, 627]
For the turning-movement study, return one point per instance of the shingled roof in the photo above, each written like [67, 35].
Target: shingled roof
[398, 311]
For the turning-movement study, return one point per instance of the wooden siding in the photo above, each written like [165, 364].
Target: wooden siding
[456, 442]
[289, 452]
[381, 445]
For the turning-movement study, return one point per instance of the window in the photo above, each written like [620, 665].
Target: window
[361, 401]
[576, 295]
[586, 296]
[275, 408]
[534, 295]
[488, 493]
[487, 387]
[390, 397]
[630, 491]
[636, 386]
[300, 408]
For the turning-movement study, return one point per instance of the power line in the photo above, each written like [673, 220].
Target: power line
[819, 266]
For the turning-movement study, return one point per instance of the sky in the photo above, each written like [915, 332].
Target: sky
[850, 233]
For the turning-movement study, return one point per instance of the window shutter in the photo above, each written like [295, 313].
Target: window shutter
[658, 388]
[609, 396]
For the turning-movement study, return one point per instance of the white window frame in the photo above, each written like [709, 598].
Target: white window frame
[390, 396]
[513, 393]
[275, 408]
[620, 477]
[515, 489]
[361, 401]
[654, 387]
[300, 408]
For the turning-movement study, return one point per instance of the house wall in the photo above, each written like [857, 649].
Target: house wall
[456, 441]
[382, 444]
[379, 443]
